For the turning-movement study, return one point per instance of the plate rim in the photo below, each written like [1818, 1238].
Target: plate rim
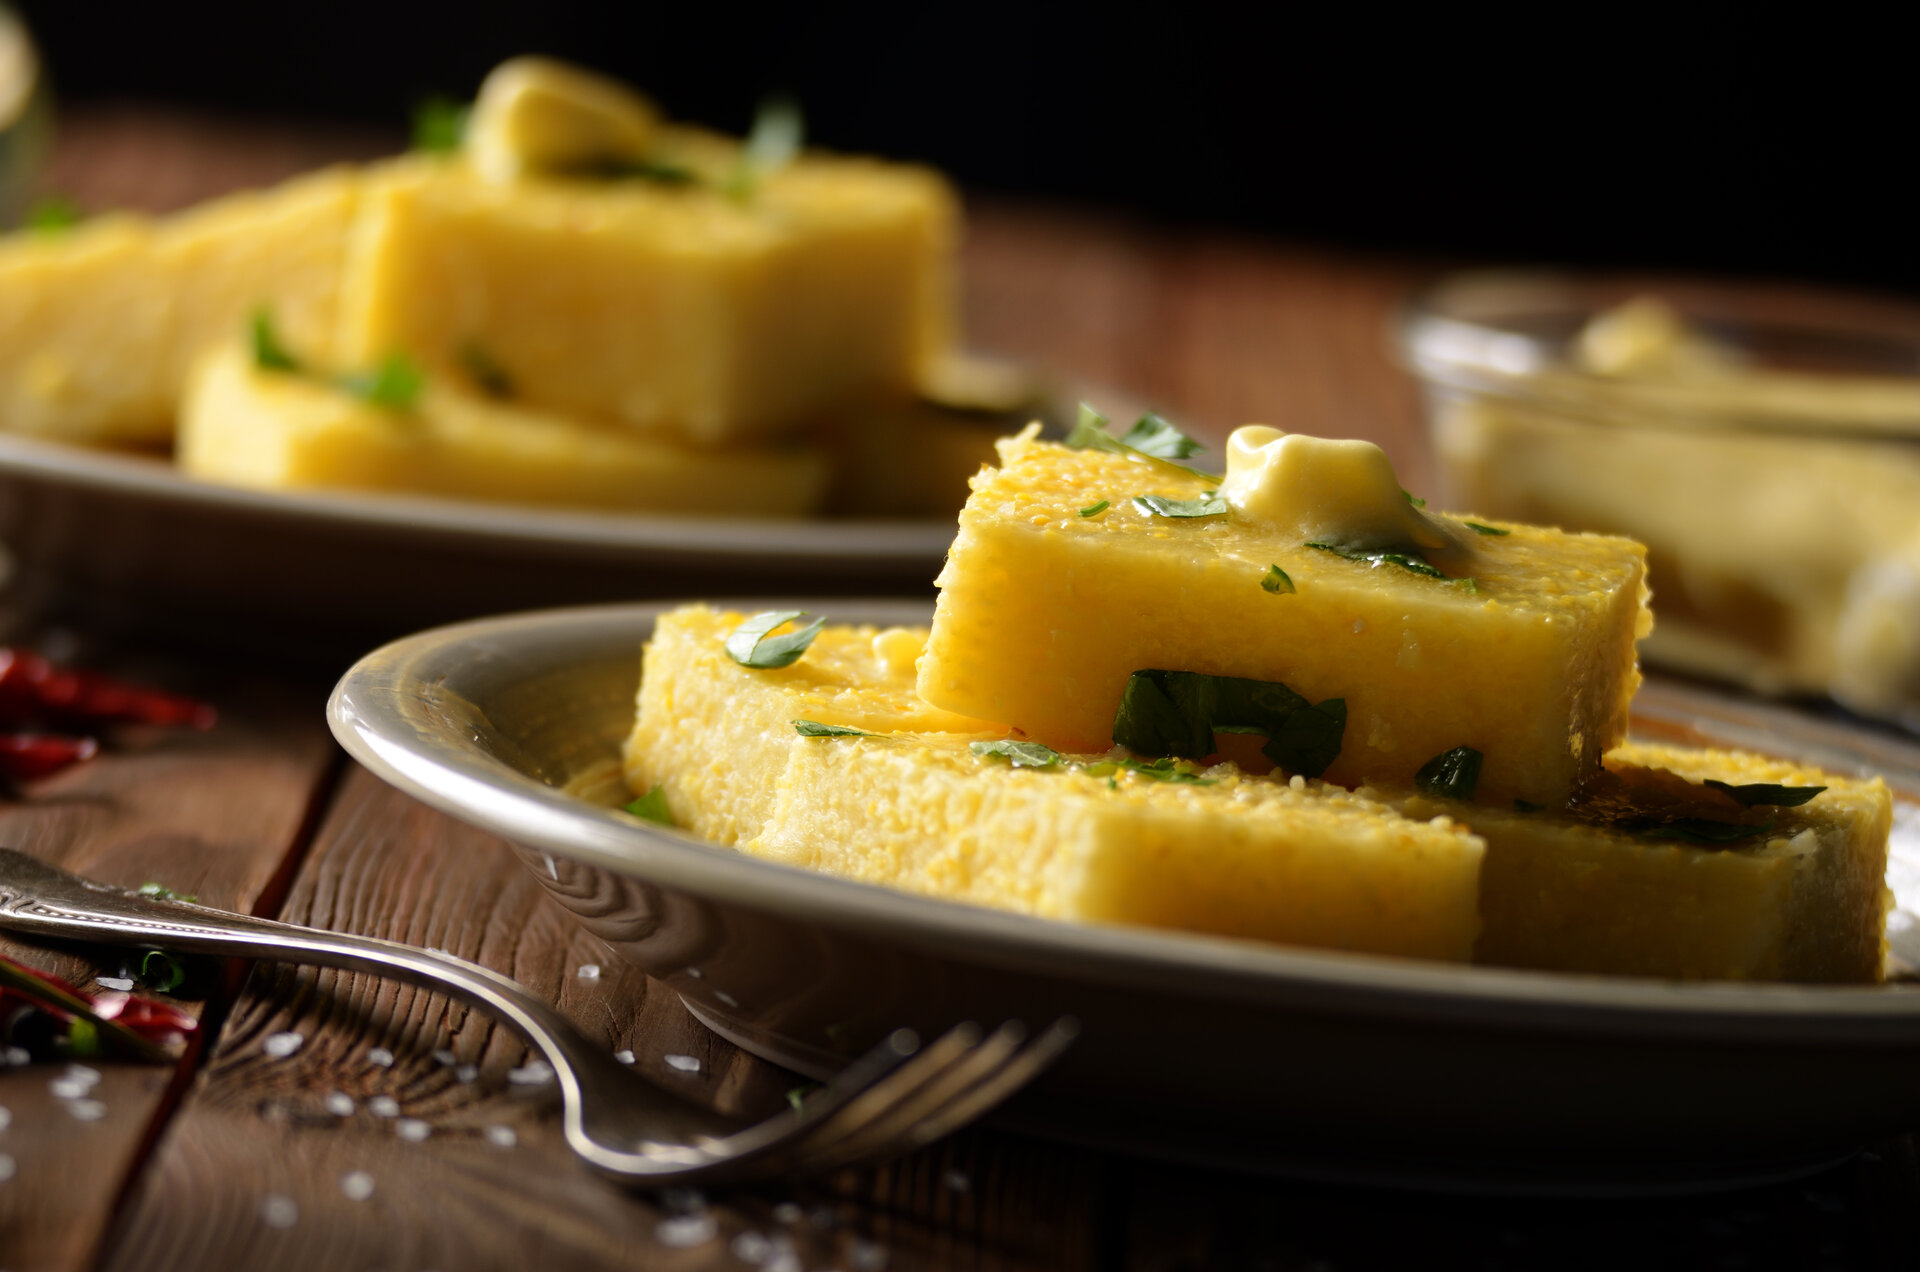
[466, 782]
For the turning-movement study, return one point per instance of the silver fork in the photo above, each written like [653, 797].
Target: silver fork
[895, 1098]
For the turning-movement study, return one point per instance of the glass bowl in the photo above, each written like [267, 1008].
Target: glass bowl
[1760, 440]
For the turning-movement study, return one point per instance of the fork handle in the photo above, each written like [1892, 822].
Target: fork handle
[38, 899]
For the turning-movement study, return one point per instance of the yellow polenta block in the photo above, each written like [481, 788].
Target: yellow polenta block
[1302, 863]
[1044, 613]
[673, 308]
[101, 324]
[277, 430]
[1804, 900]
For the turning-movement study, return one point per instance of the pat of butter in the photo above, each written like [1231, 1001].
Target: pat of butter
[1322, 491]
[534, 114]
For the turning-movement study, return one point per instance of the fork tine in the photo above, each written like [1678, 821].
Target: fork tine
[1033, 1060]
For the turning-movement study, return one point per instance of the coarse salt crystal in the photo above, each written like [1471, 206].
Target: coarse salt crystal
[624, 1057]
[445, 1058]
[866, 1256]
[412, 1129]
[695, 972]
[789, 1212]
[6, 1117]
[121, 983]
[16, 1056]
[282, 1045]
[726, 998]
[83, 1073]
[68, 1088]
[7, 1168]
[340, 1104]
[502, 1136]
[383, 1106]
[752, 1247]
[958, 1181]
[381, 1057]
[686, 1064]
[589, 971]
[533, 1073]
[357, 1185]
[682, 1231]
[86, 1110]
[279, 1211]
[467, 1073]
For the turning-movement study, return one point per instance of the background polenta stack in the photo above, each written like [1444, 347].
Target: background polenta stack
[583, 304]
[1146, 693]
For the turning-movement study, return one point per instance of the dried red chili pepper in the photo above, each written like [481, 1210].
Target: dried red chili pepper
[25, 756]
[33, 688]
[153, 1020]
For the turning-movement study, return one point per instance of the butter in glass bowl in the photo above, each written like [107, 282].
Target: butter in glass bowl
[1763, 443]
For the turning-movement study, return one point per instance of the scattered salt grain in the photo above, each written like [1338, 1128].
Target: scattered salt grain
[589, 971]
[278, 1211]
[340, 1104]
[356, 1185]
[866, 1256]
[624, 1057]
[7, 1168]
[789, 1212]
[13, 1057]
[121, 983]
[84, 1073]
[958, 1181]
[282, 1045]
[380, 1057]
[683, 1231]
[695, 972]
[686, 1064]
[726, 998]
[753, 1247]
[412, 1129]
[383, 1106]
[533, 1073]
[445, 1058]
[86, 1110]
[467, 1073]
[6, 1117]
[69, 1088]
[502, 1136]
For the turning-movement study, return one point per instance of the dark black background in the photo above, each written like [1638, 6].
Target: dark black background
[1708, 141]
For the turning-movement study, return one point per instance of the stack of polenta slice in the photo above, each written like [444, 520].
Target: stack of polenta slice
[584, 305]
[1449, 776]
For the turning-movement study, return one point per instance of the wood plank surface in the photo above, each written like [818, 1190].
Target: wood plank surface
[215, 814]
[258, 1170]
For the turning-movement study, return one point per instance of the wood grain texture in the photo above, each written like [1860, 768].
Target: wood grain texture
[255, 1128]
[215, 814]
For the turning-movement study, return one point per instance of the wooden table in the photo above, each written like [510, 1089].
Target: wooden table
[238, 1158]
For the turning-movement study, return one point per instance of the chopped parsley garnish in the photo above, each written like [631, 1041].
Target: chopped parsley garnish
[1095, 509]
[268, 353]
[484, 370]
[1414, 499]
[1277, 580]
[1166, 769]
[394, 385]
[814, 729]
[1758, 794]
[751, 646]
[54, 214]
[1477, 528]
[1207, 505]
[1018, 754]
[1451, 774]
[1405, 561]
[161, 892]
[653, 807]
[772, 143]
[440, 125]
[161, 971]
[1177, 713]
[1089, 432]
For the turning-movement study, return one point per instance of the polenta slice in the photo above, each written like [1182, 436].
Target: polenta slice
[900, 797]
[101, 323]
[1075, 568]
[284, 430]
[1662, 875]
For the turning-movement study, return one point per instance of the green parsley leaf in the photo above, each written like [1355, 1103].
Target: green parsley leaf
[1155, 435]
[1404, 560]
[1208, 505]
[491, 378]
[796, 1096]
[1413, 499]
[750, 646]
[161, 971]
[653, 807]
[814, 729]
[1477, 528]
[1451, 774]
[772, 143]
[440, 124]
[268, 353]
[1019, 754]
[54, 214]
[83, 1039]
[1165, 769]
[1177, 713]
[394, 385]
[1089, 432]
[161, 892]
[1696, 830]
[1095, 509]
[1762, 793]
[1277, 580]
[1309, 742]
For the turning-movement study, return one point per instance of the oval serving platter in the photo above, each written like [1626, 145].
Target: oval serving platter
[1334, 1065]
